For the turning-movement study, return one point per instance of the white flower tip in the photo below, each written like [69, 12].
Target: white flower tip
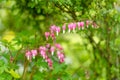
[28, 58]
[43, 57]
[82, 28]
[69, 30]
[52, 53]
[57, 33]
[33, 57]
[63, 31]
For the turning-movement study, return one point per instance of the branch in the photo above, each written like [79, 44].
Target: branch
[25, 69]
[62, 9]
[33, 71]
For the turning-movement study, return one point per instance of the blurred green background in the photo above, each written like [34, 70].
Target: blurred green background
[91, 54]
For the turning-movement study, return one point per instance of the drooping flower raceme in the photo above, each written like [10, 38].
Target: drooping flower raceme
[55, 30]
[43, 52]
[47, 51]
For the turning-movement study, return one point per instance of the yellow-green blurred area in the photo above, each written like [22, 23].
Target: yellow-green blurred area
[91, 54]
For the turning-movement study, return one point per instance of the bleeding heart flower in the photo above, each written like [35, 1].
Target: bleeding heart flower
[47, 34]
[34, 53]
[60, 56]
[80, 25]
[64, 28]
[28, 55]
[57, 30]
[70, 27]
[52, 49]
[58, 46]
[52, 28]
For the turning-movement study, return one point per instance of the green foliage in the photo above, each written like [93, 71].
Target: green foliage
[94, 53]
[5, 76]
[3, 67]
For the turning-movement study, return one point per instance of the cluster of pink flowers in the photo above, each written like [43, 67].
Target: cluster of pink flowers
[55, 30]
[60, 54]
[31, 54]
[46, 52]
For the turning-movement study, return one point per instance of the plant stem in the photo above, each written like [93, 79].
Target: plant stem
[33, 71]
[25, 70]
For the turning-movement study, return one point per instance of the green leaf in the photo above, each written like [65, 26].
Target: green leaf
[5, 76]
[41, 62]
[58, 68]
[1, 63]
[14, 74]
[3, 66]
